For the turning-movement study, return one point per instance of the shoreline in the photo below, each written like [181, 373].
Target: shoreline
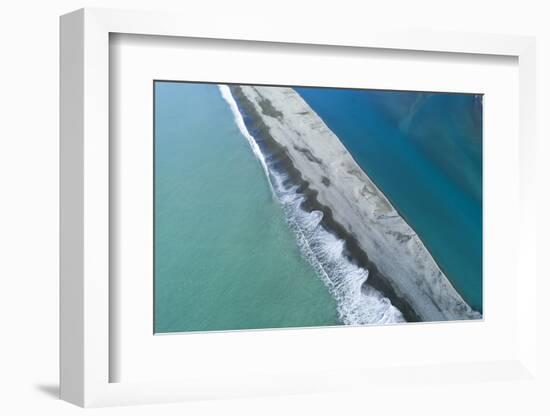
[399, 264]
[352, 250]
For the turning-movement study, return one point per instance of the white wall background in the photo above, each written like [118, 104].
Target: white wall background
[29, 205]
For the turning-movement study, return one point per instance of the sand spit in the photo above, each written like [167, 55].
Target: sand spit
[377, 237]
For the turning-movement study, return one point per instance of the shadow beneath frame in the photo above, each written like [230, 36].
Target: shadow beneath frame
[51, 390]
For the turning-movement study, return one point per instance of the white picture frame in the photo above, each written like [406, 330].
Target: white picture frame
[85, 220]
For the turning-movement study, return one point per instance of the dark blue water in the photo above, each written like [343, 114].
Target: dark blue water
[424, 151]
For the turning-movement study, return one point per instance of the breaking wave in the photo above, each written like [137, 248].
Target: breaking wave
[358, 303]
[239, 121]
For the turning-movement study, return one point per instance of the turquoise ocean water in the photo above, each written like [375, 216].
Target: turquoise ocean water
[224, 256]
[424, 151]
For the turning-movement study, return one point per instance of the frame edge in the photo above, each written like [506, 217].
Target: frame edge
[83, 35]
[71, 202]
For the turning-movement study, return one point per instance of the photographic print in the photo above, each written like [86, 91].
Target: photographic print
[288, 206]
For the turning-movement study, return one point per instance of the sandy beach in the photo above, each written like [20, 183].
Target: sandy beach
[376, 236]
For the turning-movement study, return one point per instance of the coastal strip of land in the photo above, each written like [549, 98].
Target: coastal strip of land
[376, 236]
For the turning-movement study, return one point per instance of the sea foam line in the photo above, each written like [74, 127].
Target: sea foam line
[239, 121]
[357, 304]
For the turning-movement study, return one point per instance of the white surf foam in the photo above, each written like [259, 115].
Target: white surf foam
[358, 304]
[239, 121]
